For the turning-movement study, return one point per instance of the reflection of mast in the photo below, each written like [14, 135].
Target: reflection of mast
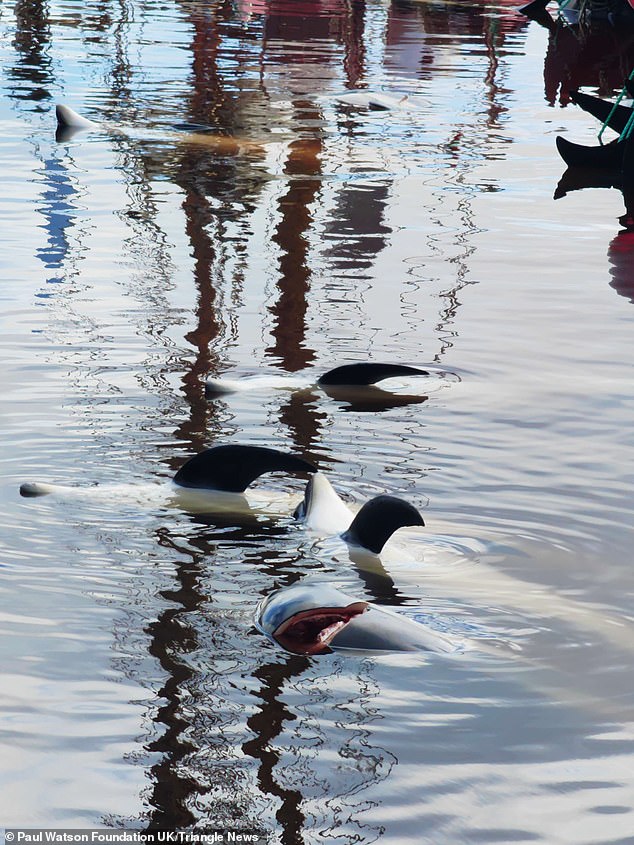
[267, 723]
[33, 68]
[621, 257]
[354, 26]
[31, 42]
[170, 638]
[199, 218]
[493, 39]
[304, 167]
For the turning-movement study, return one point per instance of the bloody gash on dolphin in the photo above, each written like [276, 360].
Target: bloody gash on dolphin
[313, 618]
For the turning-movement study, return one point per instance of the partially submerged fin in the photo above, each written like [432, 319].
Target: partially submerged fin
[69, 123]
[233, 467]
[321, 509]
[378, 519]
[69, 119]
[364, 374]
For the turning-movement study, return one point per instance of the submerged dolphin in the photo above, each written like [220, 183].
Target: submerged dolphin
[315, 618]
[214, 479]
[347, 381]
[373, 100]
[70, 123]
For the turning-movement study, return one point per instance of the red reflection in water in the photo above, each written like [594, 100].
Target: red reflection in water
[601, 57]
[621, 257]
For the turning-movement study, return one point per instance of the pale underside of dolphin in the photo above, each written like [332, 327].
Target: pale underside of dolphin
[348, 380]
[317, 618]
[215, 480]
[420, 564]
[374, 100]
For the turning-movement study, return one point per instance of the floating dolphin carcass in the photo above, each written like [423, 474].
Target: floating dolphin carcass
[315, 618]
[70, 124]
[349, 381]
[216, 479]
[325, 513]
[373, 100]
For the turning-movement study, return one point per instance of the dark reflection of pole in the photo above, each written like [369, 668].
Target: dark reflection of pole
[207, 323]
[31, 42]
[493, 40]
[201, 176]
[299, 412]
[357, 229]
[33, 73]
[170, 638]
[268, 723]
[354, 27]
[303, 167]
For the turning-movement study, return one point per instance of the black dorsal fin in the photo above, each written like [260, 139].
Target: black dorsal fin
[378, 519]
[367, 373]
[232, 468]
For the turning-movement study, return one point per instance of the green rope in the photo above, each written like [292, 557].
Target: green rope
[628, 126]
[627, 130]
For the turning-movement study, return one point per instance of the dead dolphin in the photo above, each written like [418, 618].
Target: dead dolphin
[214, 479]
[313, 618]
[372, 100]
[70, 123]
[351, 382]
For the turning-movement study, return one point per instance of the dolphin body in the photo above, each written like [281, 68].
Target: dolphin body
[216, 479]
[316, 618]
[373, 100]
[356, 383]
[70, 124]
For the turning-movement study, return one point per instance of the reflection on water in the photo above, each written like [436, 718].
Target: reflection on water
[599, 56]
[139, 262]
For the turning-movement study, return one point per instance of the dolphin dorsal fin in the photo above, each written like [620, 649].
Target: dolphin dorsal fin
[378, 519]
[233, 467]
[364, 374]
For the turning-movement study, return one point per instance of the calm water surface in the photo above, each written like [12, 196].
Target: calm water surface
[135, 690]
